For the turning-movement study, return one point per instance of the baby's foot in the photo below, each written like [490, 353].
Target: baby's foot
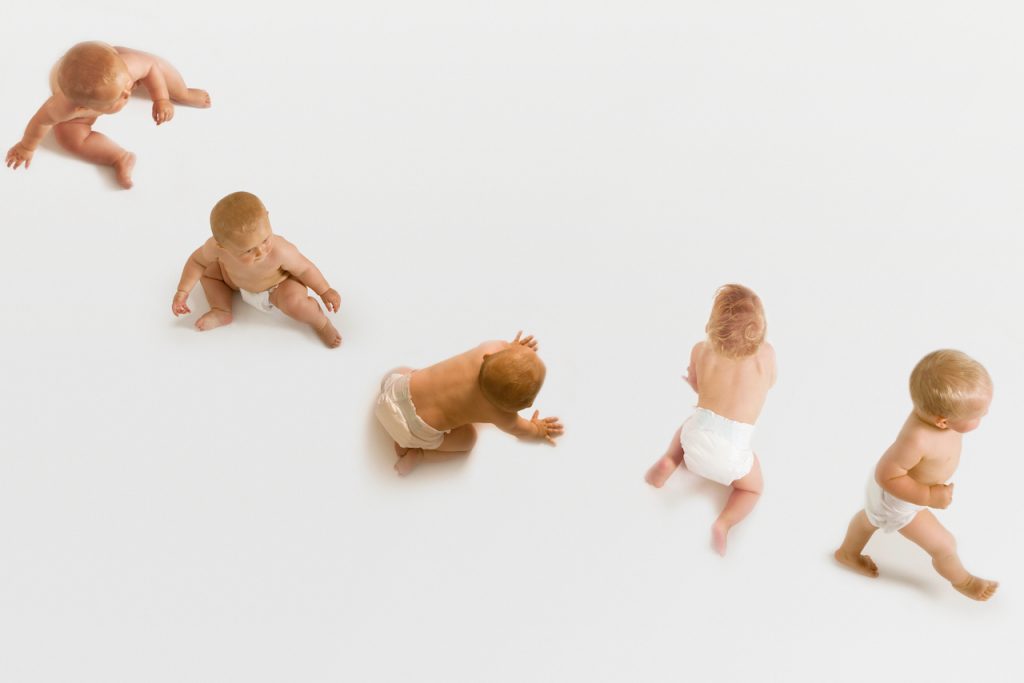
[408, 459]
[719, 535]
[660, 472]
[123, 168]
[977, 588]
[195, 97]
[862, 564]
[329, 335]
[215, 317]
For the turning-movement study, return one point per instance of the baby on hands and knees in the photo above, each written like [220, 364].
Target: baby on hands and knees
[430, 413]
[951, 393]
[245, 255]
[731, 371]
[93, 79]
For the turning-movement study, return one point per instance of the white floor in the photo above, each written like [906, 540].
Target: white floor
[177, 506]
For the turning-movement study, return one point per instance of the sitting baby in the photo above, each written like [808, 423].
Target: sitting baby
[731, 371]
[430, 413]
[93, 79]
[245, 255]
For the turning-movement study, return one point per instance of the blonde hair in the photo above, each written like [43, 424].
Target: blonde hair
[949, 384]
[88, 71]
[239, 213]
[737, 326]
[511, 378]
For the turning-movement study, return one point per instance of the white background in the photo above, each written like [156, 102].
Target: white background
[177, 506]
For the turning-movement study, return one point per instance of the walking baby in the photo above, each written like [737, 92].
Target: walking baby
[94, 79]
[951, 393]
[731, 371]
[245, 255]
[430, 413]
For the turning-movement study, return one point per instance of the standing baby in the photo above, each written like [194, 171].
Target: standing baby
[93, 79]
[245, 255]
[430, 413]
[951, 392]
[731, 371]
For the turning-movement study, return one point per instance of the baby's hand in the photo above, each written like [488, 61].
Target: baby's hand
[940, 496]
[18, 155]
[692, 382]
[332, 300]
[163, 111]
[179, 306]
[527, 341]
[547, 428]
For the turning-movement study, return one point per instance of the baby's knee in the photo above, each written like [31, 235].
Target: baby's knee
[944, 546]
[68, 137]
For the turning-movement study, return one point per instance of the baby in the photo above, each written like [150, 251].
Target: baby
[245, 255]
[93, 79]
[951, 393]
[731, 371]
[429, 413]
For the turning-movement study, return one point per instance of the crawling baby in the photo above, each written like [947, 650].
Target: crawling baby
[731, 371]
[951, 393]
[245, 255]
[93, 79]
[429, 413]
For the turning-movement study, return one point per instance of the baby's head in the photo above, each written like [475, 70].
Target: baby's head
[241, 225]
[950, 390]
[511, 378]
[93, 75]
[737, 326]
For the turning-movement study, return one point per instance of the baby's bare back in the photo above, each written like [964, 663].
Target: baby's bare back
[939, 451]
[734, 388]
[447, 394]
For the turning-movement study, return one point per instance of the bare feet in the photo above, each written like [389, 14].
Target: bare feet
[862, 564]
[215, 317]
[408, 459]
[660, 472]
[977, 588]
[719, 535]
[195, 98]
[329, 335]
[123, 168]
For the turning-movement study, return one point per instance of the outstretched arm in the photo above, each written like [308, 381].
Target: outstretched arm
[156, 84]
[194, 268]
[546, 428]
[303, 270]
[893, 475]
[38, 126]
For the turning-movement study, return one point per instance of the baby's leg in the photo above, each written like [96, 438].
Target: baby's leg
[291, 297]
[80, 139]
[857, 536]
[218, 295]
[745, 494]
[458, 442]
[926, 531]
[667, 464]
[179, 92]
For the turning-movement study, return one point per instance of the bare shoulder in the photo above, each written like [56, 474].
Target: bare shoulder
[211, 250]
[59, 108]
[138, 62]
[493, 346]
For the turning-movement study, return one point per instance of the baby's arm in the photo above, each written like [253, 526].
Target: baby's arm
[194, 268]
[893, 475]
[156, 84]
[691, 372]
[39, 125]
[303, 270]
[546, 428]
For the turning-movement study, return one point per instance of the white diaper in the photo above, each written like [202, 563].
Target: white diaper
[716, 447]
[886, 511]
[397, 413]
[259, 300]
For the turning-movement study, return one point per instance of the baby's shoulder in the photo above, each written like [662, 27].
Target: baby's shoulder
[489, 347]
